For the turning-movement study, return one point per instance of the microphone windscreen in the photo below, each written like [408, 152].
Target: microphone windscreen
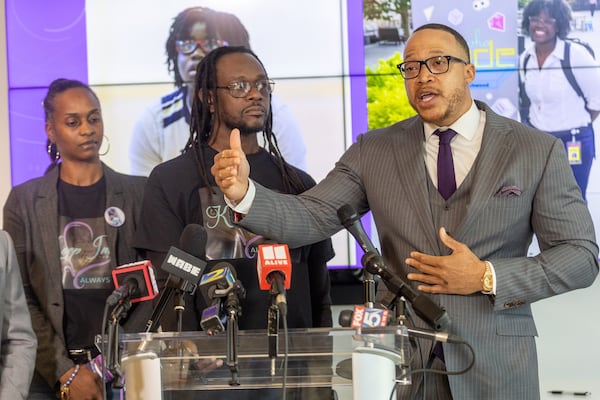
[347, 215]
[193, 240]
[345, 318]
[143, 274]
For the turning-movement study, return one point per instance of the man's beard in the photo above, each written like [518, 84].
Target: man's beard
[245, 131]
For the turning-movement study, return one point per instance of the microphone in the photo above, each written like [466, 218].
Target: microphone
[188, 263]
[135, 282]
[185, 269]
[351, 221]
[218, 282]
[426, 308]
[366, 317]
[214, 286]
[211, 320]
[274, 270]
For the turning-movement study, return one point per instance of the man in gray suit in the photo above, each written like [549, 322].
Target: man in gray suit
[17, 339]
[467, 249]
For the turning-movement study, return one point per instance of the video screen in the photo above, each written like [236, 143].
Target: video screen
[333, 63]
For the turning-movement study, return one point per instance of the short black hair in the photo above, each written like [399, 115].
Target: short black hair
[557, 9]
[459, 38]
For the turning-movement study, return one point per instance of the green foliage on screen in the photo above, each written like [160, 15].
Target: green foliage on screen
[387, 102]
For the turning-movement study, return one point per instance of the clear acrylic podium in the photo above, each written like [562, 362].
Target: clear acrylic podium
[158, 363]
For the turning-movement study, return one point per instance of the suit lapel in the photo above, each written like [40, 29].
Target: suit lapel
[114, 198]
[413, 176]
[47, 205]
[489, 167]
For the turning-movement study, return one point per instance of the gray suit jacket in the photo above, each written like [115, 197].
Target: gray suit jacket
[18, 342]
[30, 216]
[521, 185]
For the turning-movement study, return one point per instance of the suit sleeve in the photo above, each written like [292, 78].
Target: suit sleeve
[51, 359]
[563, 226]
[17, 355]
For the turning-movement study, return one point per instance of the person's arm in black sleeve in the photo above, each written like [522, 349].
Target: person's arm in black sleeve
[320, 285]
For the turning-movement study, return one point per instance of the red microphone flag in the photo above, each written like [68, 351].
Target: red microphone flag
[271, 258]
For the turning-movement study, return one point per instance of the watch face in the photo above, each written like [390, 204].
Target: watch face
[487, 282]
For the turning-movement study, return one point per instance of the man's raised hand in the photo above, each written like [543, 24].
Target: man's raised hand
[231, 169]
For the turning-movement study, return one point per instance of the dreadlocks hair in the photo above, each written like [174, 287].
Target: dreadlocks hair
[221, 26]
[57, 87]
[202, 123]
[557, 9]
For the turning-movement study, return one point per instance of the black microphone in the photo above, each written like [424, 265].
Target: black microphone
[193, 240]
[347, 317]
[185, 268]
[128, 289]
[428, 310]
[186, 265]
[135, 282]
[351, 221]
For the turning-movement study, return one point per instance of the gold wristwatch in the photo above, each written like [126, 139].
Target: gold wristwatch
[487, 281]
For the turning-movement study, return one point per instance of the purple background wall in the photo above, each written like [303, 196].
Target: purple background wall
[45, 40]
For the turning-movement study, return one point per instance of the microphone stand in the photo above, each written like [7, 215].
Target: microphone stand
[369, 288]
[233, 310]
[272, 331]
[178, 288]
[113, 356]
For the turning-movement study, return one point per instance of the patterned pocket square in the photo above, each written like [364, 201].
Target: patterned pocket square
[508, 191]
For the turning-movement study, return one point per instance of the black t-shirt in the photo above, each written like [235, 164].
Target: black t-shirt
[86, 260]
[176, 196]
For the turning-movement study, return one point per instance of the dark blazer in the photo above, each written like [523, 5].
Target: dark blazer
[521, 185]
[31, 218]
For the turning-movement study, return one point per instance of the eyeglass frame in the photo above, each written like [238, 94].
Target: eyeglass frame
[270, 86]
[199, 43]
[546, 22]
[424, 62]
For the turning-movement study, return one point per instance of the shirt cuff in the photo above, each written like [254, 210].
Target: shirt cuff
[493, 277]
[243, 207]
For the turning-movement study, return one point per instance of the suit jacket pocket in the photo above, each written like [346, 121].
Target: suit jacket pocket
[516, 322]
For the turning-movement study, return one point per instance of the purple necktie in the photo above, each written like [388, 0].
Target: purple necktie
[445, 164]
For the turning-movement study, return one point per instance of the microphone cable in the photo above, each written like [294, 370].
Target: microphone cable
[285, 356]
[103, 349]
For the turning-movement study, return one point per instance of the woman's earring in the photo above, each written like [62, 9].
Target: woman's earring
[107, 141]
[53, 152]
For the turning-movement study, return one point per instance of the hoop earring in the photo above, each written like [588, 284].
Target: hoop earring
[53, 149]
[105, 139]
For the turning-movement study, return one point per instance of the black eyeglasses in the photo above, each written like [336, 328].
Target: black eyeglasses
[435, 65]
[187, 47]
[542, 21]
[242, 88]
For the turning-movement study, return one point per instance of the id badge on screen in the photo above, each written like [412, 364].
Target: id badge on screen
[574, 152]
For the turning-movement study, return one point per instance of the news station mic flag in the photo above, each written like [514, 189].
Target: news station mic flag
[135, 281]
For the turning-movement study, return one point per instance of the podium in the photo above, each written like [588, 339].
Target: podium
[167, 365]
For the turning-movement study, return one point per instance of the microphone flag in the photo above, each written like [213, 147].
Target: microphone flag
[271, 258]
[140, 272]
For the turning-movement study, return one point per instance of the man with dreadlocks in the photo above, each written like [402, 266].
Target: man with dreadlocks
[163, 129]
[233, 92]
